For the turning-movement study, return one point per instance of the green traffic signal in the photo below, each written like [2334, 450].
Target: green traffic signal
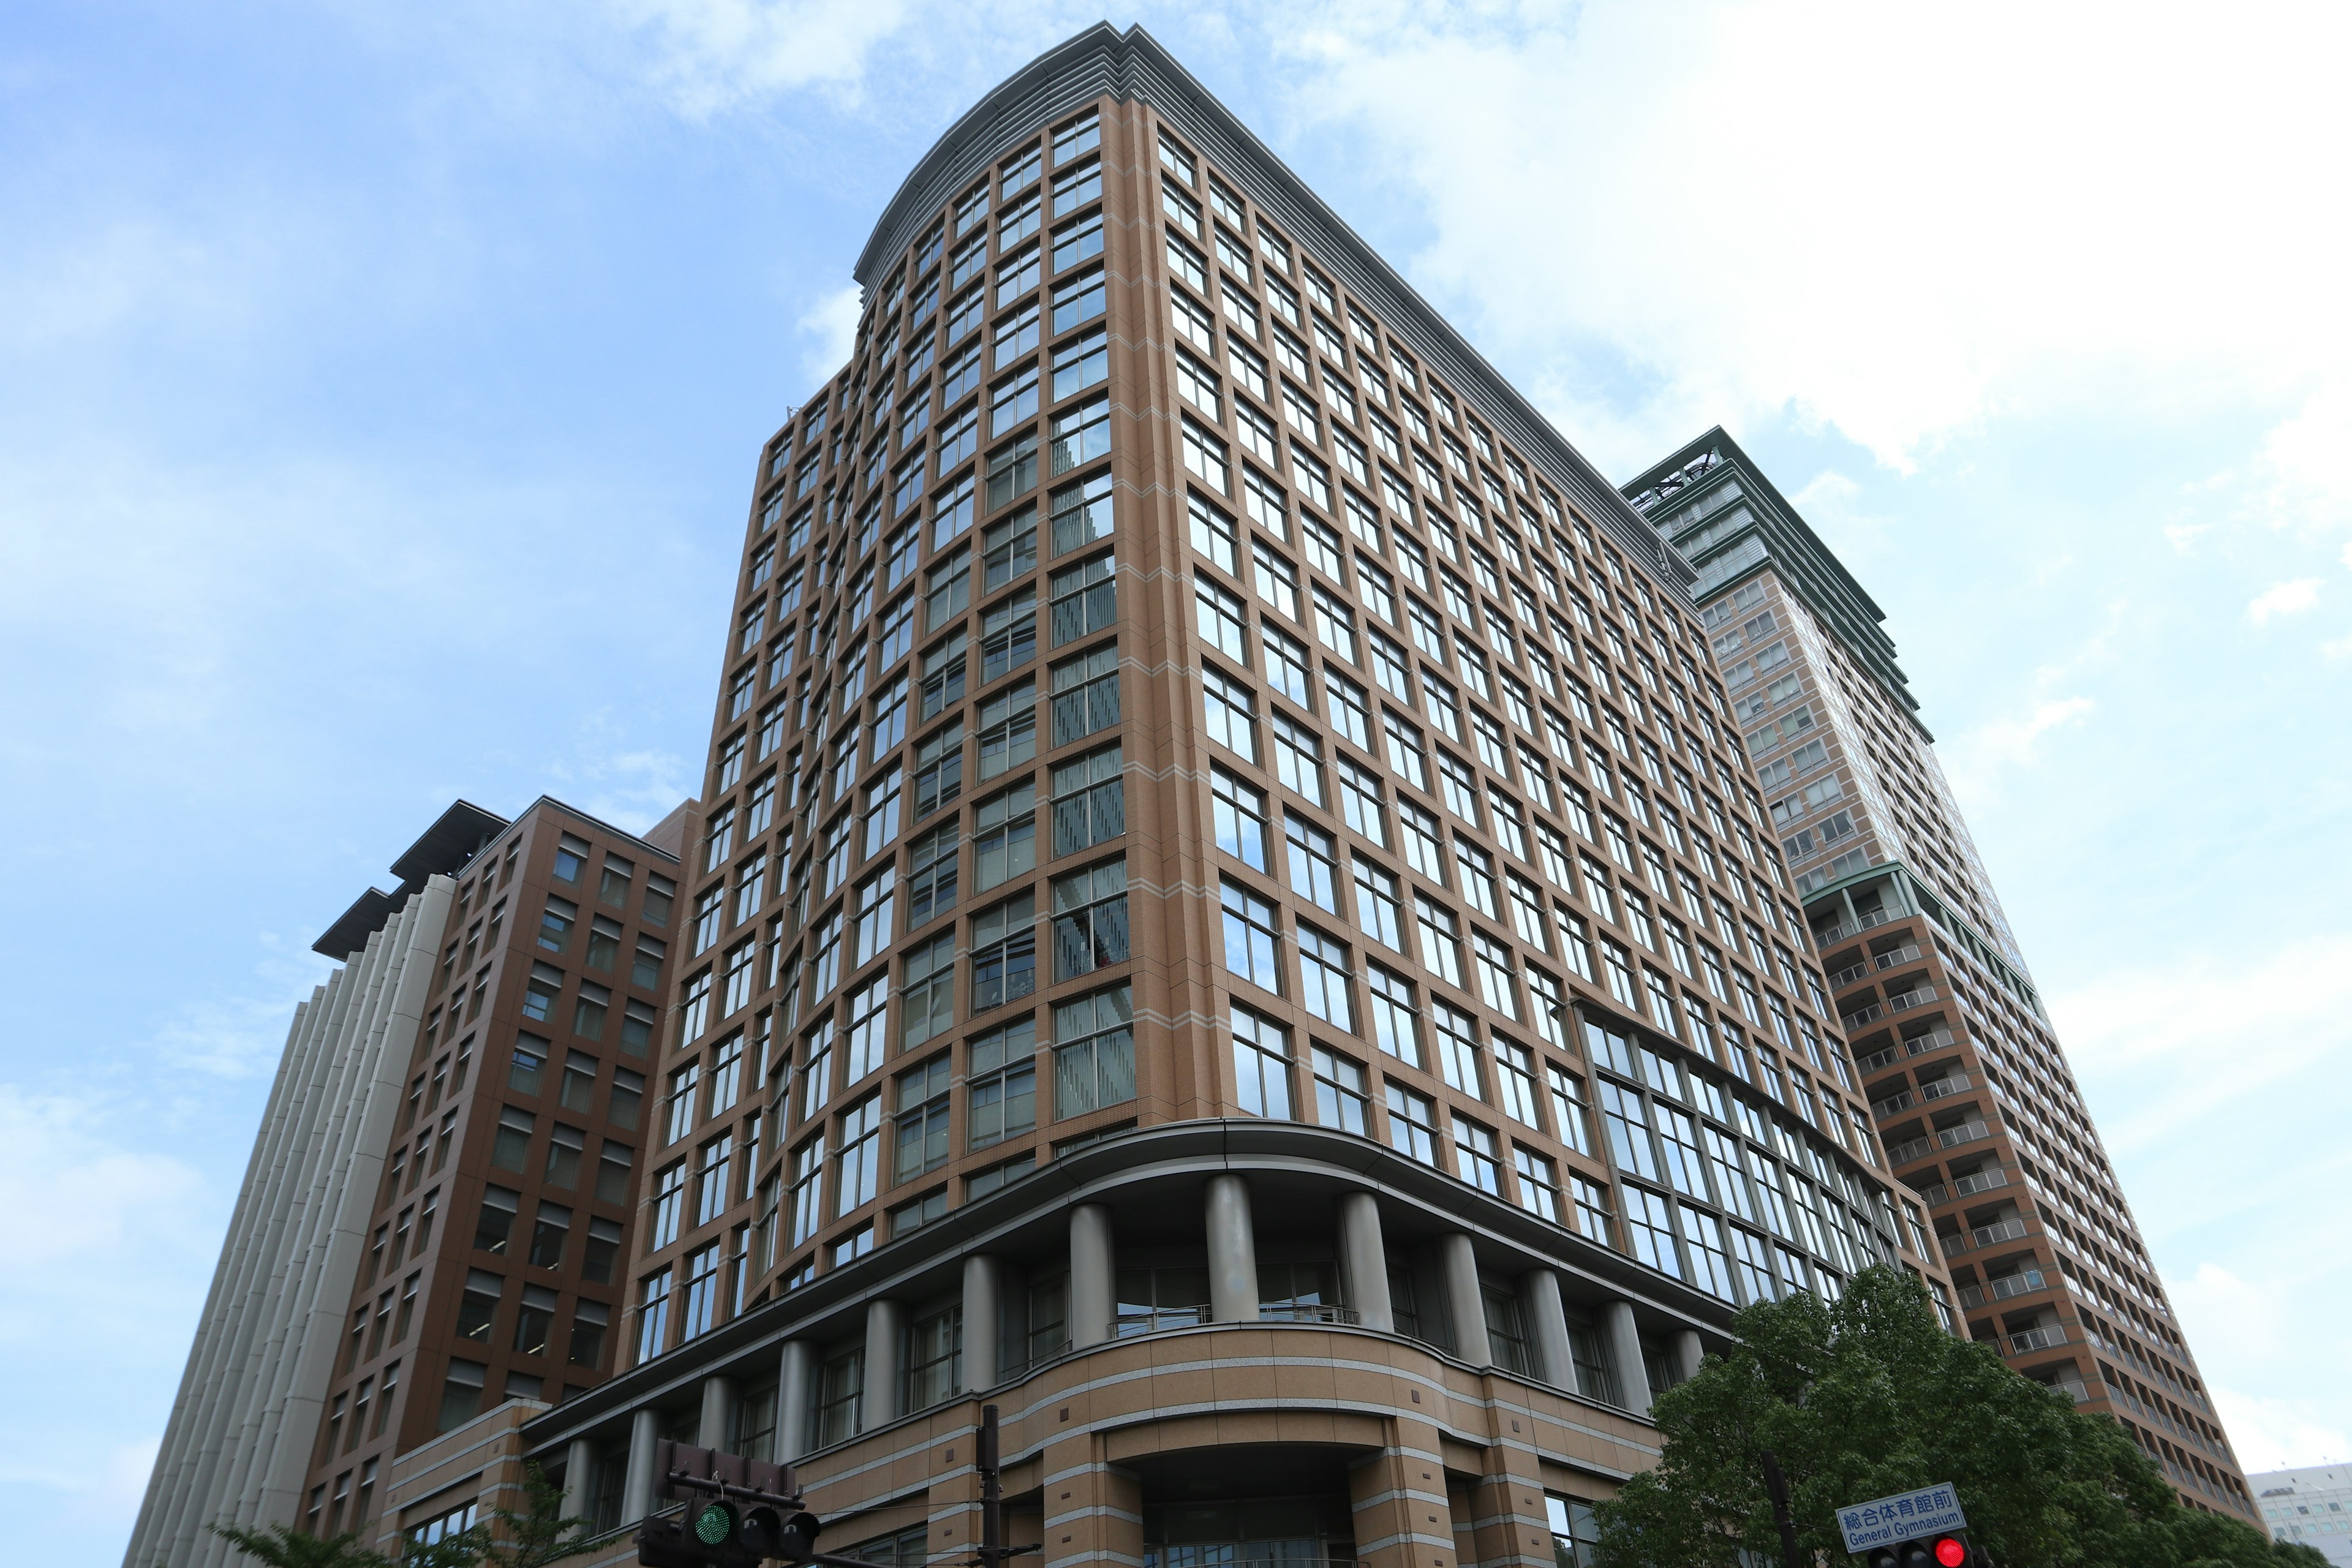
[716, 1524]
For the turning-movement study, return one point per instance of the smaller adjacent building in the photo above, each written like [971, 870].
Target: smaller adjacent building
[2311, 1507]
[438, 1206]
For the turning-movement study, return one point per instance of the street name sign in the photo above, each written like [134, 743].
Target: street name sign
[1930, 1511]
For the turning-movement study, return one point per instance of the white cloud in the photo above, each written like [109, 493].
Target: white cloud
[1751, 208]
[1979, 762]
[2340, 648]
[2280, 1434]
[84, 1208]
[2291, 598]
[2161, 1028]
[2304, 455]
[832, 322]
[708, 56]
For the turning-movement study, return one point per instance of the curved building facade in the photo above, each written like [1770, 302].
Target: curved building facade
[1232, 920]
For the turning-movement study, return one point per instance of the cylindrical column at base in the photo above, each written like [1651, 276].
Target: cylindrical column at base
[579, 1479]
[1688, 1354]
[637, 1482]
[717, 1428]
[795, 1399]
[1233, 1251]
[983, 1291]
[1464, 1301]
[1547, 1322]
[1625, 1350]
[1364, 1253]
[886, 1330]
[1092, 1301]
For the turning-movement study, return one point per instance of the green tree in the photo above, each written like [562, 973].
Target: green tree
[278, 1547]
[537, 1536]
[533, 1538]
[1869, 1396]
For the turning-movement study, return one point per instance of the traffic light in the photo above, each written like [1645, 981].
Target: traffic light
[1926, 1551]
[739, 1512]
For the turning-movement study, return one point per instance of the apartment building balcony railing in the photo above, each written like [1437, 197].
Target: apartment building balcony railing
[1912, 1149]
[1916, 1046]
[1873, 964]
[1900, 1001]
[1837, 933]
[2041, 1339]
[1128, 1325]
[1983, 1235]
[1934, 1089]
[2022, 1283]
[1975, 1182]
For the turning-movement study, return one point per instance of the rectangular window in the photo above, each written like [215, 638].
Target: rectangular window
[1090, 928]
[1253, 936]
[1001, 1086]
[1003, 953]
[1341, 1100]
[1004, 836]
[1094, 1052]
[1324, 978]
[1413, 1125]
[1089, 798]
[1261, 1064]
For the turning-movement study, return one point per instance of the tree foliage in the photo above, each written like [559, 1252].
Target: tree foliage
[1869, 1396]
[533, 1538]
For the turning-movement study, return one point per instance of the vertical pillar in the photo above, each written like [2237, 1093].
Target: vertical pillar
[579, 1479]
[1688, 1354]
[1364, 1255]
[1404, 1518]
[983, 1296]
[637, 1483]
[795, 1399]
[885, 1330]
[1092, 1511]
[717, 1428]
[1233, 1251]
[1625, 1350]
[1547, 1321]
[1092, 1302]
[1464, 1300]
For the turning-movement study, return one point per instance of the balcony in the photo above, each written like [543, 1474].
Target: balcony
[1950, 1083]
[2019, 1284]
[1307, 1312]
[1130, 1324]
[1975, 1182]
[1906, 1000]
[1849, 974]
[1916, 1046]
[1863, 1018]
[1966, 1133]
[2049, 1337]
[1889, 959]
[1933, 1088]
[1837, 933]
[1993, 1234]
[1905, 1153]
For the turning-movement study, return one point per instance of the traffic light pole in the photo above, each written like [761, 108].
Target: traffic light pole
[991, 1552]
[1777, 1485]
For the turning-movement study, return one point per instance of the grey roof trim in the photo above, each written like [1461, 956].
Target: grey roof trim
[1133, 66]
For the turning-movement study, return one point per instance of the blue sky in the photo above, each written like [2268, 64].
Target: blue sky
[380, 388]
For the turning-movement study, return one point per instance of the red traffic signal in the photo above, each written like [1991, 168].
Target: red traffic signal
[1934, 1551]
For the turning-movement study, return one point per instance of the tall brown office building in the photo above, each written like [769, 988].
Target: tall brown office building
[435, 1220]
[1231, 918]
[1980, 1113]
